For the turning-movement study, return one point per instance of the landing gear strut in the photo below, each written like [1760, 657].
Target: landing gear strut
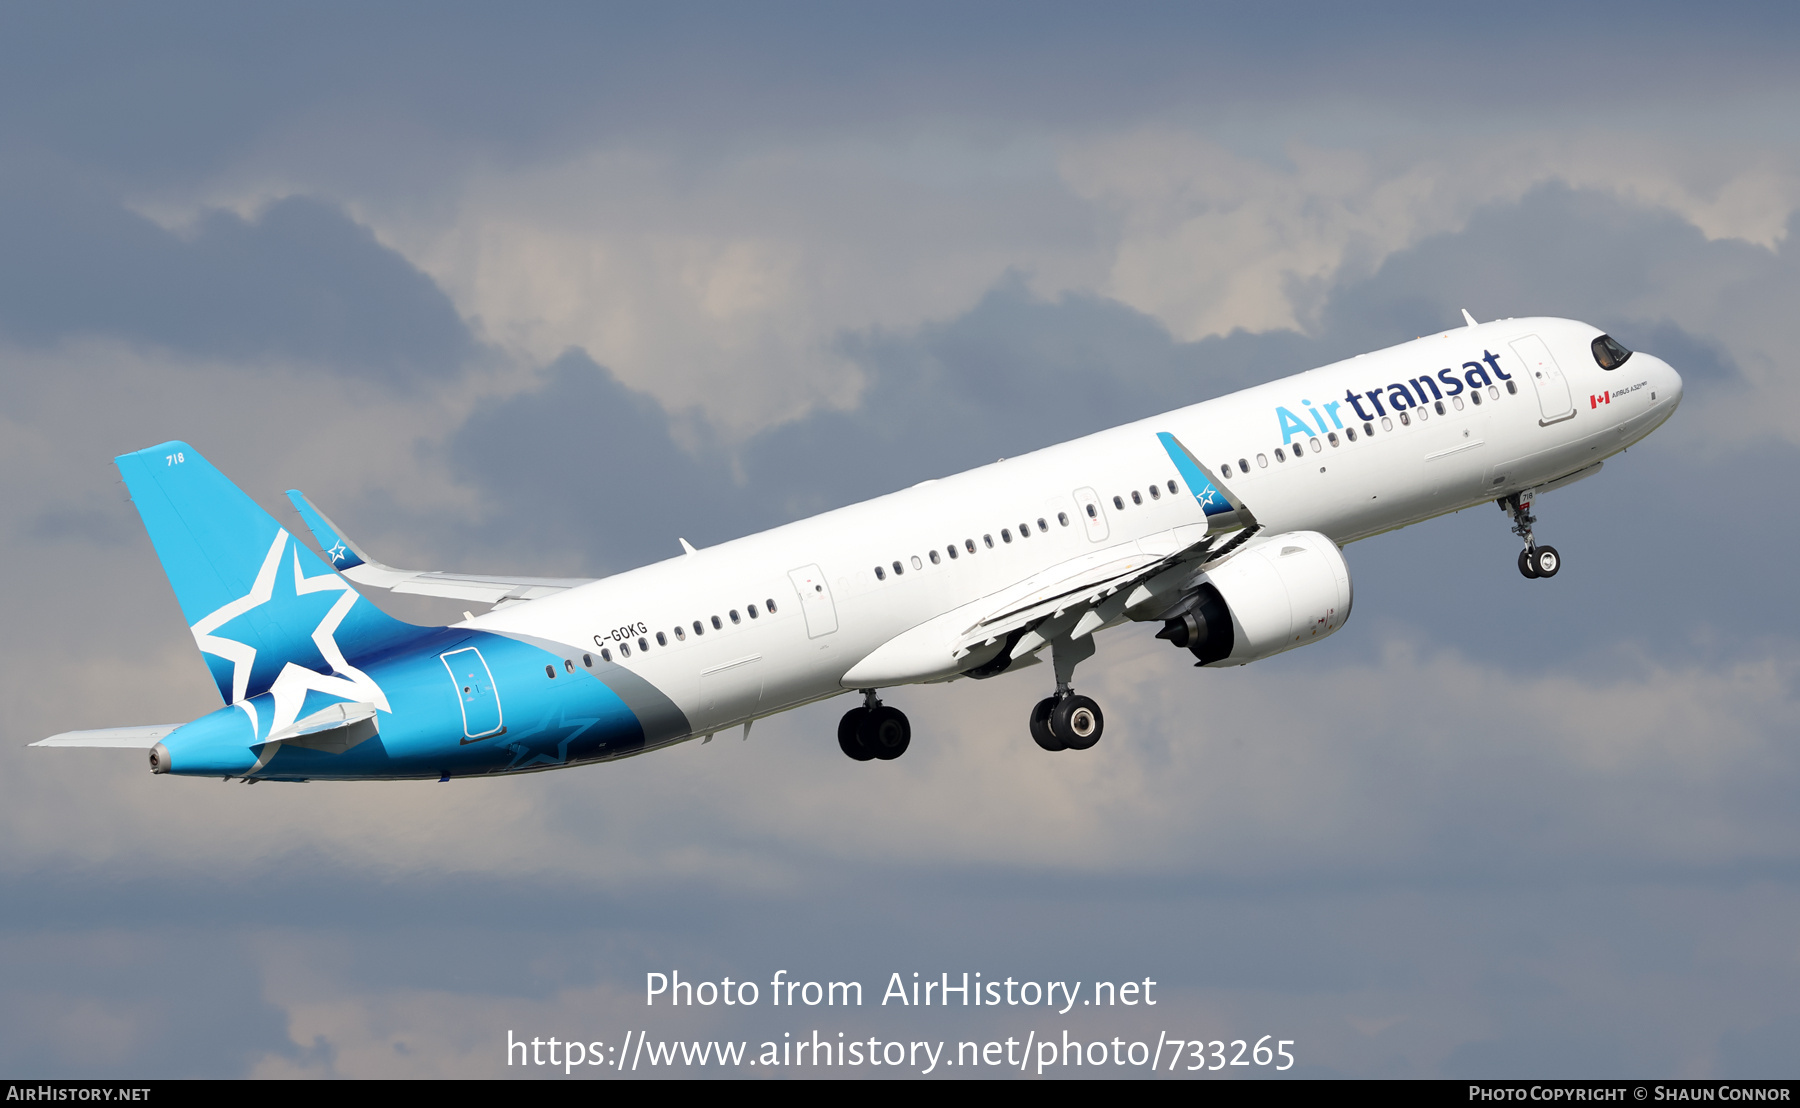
[1534, 561]
[874, 730]
[1067, 721]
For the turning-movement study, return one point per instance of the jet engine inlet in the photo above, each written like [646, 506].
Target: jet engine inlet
[159, 759]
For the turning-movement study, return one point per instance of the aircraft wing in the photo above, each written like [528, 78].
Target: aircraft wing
[1075, 599]
[1098, 587]
[350, 560]
[117, 738]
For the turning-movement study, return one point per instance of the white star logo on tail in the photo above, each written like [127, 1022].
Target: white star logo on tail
[292, 684]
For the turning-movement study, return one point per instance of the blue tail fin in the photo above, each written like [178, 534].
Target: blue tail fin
[255, 598]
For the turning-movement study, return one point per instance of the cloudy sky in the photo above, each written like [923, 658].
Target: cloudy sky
[537, 291]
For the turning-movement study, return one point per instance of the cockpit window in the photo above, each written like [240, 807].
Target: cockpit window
[1609, 353]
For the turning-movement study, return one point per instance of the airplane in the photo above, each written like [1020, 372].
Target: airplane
[1220, 524]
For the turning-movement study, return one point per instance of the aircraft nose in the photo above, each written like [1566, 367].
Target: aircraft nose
[1672, 383]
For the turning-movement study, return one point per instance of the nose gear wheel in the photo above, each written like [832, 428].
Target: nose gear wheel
[1534, 561]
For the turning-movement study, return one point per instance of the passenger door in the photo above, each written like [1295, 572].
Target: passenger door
[815, 600]
[1547, 377]
[1093, 515]
[475, 690]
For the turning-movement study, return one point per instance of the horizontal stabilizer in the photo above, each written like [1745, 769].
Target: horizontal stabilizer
[333, 729]
[353, 562]
[118, 738]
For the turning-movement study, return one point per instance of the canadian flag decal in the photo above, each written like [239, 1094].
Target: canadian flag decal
[1599, 398]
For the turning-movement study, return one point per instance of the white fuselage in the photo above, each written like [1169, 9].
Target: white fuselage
[1517, 439]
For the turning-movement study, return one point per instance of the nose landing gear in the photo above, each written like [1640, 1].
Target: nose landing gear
[1534, 561]
[874, 730]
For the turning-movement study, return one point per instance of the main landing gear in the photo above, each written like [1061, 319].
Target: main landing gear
[1067, 721]
[874, 730]
[1534, 561]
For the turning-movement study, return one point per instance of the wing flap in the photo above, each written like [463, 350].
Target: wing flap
[1086, 581]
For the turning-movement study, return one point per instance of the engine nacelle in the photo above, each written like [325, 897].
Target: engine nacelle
[1288, 591]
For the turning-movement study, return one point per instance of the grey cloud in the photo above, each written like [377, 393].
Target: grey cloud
[191, 86]
[301, 281]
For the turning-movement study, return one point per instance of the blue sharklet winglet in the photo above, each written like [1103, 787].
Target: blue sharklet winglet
[1224, 512]
[342, 553]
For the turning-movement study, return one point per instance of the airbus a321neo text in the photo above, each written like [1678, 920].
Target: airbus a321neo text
[1219, 526]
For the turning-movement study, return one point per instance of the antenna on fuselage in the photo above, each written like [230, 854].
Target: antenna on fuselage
[1469, 319]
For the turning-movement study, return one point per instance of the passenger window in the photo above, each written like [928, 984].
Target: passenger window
[716, 624]
[1475, 397]
[1512, 388]
[1350, 433]
[770, 604]
[1005, 534]
[680, 635]
[1424, 414]
[1155, 493]
[1297, 450]
[1332, 438]
[1369, 429]
[587, 660]
[699, 629]
[735, 618]
[1243, 466]
[987, 541]
[880, 574]
[916, 563]
[644, 645]
[1093, 512]
[1062, 518]
[1136, 498]
[751, 608]
[969, 545]
[898, 569]
[624, 650]
[1456, 402]
[951, 550]
[1119, 503]
[1024, 530]
[550, 672]
[1405, 420]
[1042, 526]
[1387, 424]
[1279, 456]
[1262, 461]
[1493, 392]
[662, 639]
[605, 654]
[934, 558]
[569, 665]
[1173, 487]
